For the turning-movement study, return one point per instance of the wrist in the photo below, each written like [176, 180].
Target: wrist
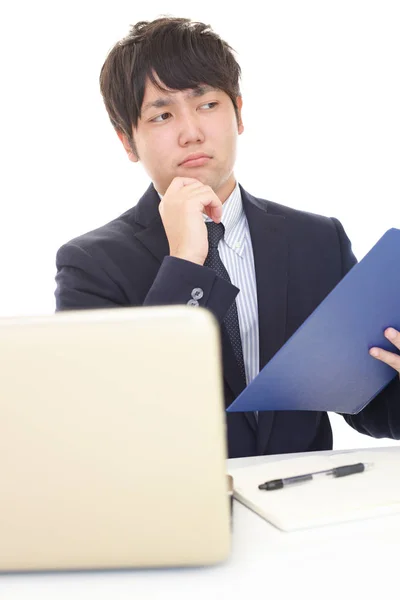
[189, 257]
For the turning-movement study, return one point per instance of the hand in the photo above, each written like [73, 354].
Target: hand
[181, 210]
[391, 359]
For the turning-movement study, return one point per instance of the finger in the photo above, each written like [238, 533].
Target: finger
[207, 197]
[179, 182]
[393, 360]
[393, 336]
[215, 213]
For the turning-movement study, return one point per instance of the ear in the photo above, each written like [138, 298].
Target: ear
[239, 101]
[124, 140]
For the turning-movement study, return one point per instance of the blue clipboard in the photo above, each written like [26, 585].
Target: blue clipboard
[325, 365]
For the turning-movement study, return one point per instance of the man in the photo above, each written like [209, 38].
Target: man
[196, 237]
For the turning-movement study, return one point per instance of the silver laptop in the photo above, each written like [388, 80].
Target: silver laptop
[112, 440]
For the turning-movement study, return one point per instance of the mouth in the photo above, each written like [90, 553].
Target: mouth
[196, 162]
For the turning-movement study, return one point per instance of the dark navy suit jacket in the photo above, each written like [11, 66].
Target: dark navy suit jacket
[299, 257]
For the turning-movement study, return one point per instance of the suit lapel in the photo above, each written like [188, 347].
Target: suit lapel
[270, 248]
[153, 235]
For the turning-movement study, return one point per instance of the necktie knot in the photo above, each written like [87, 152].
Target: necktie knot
[215, 233]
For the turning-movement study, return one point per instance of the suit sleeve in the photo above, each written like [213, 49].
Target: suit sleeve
[92, 279]
[178, 280]
[381, 417]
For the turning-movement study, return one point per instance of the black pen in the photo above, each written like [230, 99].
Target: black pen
[277, 484]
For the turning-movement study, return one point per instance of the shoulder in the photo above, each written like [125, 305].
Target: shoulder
[303, 222]
[308, 233]
[118, 236]
[296, 216]
[113, 237]
[296, 220]
[120, 227]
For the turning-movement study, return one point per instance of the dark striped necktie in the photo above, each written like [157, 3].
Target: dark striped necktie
[213, 261]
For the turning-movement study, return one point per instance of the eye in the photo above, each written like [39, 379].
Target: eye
[155, 118]
[160, 119]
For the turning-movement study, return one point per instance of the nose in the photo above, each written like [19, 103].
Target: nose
[190, 130]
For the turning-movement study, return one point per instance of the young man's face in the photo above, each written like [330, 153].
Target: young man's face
[183, 123]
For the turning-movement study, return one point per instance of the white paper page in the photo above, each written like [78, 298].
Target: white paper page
[325, 499]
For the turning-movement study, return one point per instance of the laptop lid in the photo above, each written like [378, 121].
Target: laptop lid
[112, 441]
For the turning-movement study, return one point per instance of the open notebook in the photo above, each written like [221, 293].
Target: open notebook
[324, 500]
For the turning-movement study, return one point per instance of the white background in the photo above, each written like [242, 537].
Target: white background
[321, 113]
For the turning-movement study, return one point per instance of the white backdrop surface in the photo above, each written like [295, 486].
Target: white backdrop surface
[321, 93]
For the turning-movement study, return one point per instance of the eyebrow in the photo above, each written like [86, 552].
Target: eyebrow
[167, 100]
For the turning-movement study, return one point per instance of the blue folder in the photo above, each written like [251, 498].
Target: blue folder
[325, 365]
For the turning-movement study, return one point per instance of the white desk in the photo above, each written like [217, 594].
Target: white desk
[354, 560]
